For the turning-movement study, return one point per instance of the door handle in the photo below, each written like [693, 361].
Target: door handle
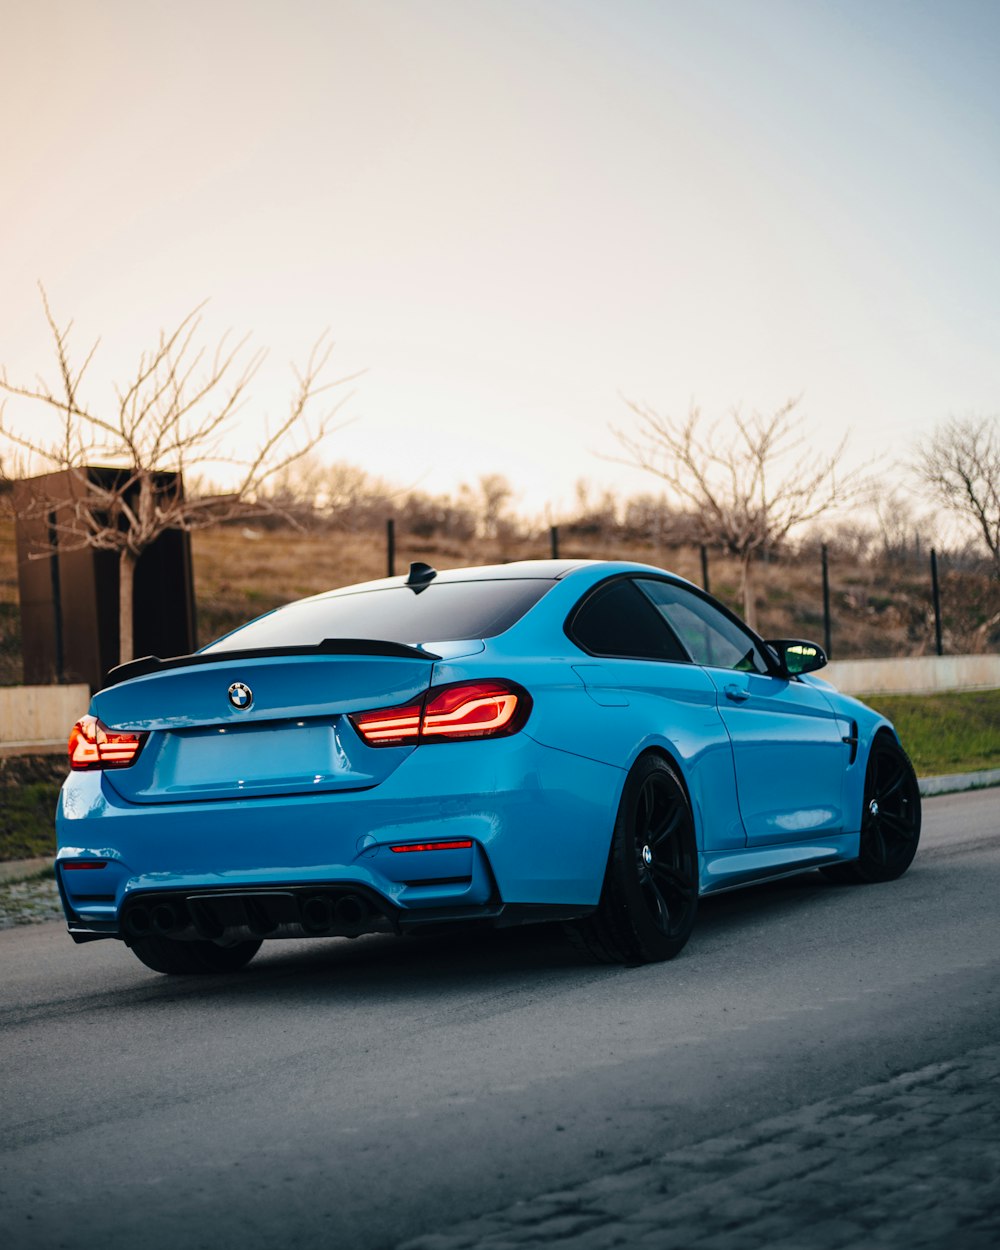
[737, 693]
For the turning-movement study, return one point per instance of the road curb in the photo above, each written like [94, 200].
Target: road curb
[953, 783]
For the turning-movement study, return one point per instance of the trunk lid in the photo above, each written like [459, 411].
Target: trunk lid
[290, 736]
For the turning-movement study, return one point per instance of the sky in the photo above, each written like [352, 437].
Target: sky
[513, 216]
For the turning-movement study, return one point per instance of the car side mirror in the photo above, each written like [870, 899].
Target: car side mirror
[798, 656]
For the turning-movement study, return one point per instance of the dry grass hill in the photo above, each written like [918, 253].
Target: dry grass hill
[878, 608]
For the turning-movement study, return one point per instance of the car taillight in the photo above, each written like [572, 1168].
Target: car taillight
[389, 726]
[93, 745]
[467, 709]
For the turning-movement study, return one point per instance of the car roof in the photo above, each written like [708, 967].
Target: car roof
[516, 570]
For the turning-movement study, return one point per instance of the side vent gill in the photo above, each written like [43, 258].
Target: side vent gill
[852, 741]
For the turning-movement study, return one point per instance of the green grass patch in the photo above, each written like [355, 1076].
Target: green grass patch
[27, 819]
[956, 732]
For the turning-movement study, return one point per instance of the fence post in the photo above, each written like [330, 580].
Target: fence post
[390, 547]
[826, 600]
[554, 540]
[937, 602]
[56, 584]
[704, 569]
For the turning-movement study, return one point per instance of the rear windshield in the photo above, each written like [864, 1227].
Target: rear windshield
[443, 612]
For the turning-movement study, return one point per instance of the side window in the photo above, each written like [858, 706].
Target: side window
[709, 635]
[618, 620]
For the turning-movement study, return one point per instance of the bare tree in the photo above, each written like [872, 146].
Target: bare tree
[490, 500]
[960, 463]
[746, 482]
[596, 511]
[178, 410]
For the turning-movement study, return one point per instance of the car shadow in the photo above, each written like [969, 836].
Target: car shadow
[434, 967]
[783, 896]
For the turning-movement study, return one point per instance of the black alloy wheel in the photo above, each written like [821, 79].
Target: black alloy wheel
[650, 896]
[890, 817]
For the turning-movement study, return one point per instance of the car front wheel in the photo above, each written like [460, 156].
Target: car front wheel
[890, 817]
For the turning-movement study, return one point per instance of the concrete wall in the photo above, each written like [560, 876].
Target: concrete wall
[43, 715]
[919, 674]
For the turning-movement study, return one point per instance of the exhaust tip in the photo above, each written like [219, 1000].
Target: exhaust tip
[317, 914]
[138, 921]
[164, 919]
[351, 911]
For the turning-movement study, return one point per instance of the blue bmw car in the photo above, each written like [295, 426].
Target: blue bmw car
[591, 742]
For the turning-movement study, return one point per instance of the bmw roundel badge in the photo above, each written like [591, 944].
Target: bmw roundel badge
[240, 696]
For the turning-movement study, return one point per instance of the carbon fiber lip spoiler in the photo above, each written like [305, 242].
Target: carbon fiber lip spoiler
[329, 646]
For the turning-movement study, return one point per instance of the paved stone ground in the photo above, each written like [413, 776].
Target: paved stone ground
[914, 1162]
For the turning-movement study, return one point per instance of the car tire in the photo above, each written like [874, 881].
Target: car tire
[192, 958]
[890, 818]
[650, 895]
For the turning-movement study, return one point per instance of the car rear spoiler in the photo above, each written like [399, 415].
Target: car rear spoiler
[329, 646]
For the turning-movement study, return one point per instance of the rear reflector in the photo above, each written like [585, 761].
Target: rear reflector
[458, 844]
[468, 709]
[81, 865]
[93, 745]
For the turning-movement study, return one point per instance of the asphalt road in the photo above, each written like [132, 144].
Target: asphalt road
[356, 1094]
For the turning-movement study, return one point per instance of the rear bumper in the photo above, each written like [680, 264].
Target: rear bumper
[539, 821]
[251, 914]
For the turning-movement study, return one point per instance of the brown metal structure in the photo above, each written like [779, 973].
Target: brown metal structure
[69, 594]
